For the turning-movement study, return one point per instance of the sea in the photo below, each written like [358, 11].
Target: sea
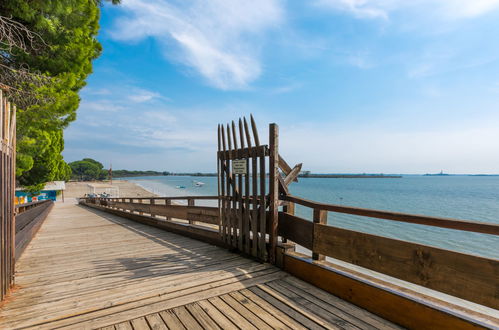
[454, 196]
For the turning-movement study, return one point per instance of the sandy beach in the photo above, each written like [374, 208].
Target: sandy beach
[126, 188]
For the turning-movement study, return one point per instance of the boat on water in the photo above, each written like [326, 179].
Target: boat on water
[180, 187]
[197, 183]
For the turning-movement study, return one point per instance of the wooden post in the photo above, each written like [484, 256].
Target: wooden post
[152, 201]
[320, 217]
[190, 202]
[168, 202]
[290, 209]
[273, 188]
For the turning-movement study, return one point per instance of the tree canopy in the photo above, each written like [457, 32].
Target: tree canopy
[86, 170]
[48, 68]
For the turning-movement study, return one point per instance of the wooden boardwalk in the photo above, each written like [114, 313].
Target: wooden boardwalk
[87, 269]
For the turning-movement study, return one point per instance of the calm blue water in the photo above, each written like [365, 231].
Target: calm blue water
[461, 197]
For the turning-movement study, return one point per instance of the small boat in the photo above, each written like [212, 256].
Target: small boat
[180, 187]
[198, 183]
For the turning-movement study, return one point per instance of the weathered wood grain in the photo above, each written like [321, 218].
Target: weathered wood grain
[465, 276]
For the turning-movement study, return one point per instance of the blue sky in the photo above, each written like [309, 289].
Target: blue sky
[387, 86]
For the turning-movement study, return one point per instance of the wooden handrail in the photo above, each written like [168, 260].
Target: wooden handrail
[471, 226]
[20, 208]
[159, 198]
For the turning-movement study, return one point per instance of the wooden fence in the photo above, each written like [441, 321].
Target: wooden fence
[29, 218]
[7, 190]
[462, 275]
[251, 216]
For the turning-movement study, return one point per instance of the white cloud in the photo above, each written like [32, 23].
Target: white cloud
[218, 38]
[450, 9]
[139, 95]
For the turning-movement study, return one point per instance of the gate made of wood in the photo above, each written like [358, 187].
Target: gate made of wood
[7, 192]
[248, 201]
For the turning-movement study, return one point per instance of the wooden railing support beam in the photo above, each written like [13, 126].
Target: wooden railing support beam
[319, 217]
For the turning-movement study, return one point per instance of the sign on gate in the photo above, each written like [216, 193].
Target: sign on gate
[239, 166]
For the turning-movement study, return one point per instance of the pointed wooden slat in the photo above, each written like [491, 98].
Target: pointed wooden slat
[220, 168]
[223, 138]
[262, 250]
[246, 130]
[274, 175]
[234, 135]
[228, 137]
[241, 134]
[246, 207]
[255, 131]
[240, 213]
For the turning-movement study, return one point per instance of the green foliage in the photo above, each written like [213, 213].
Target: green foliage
[85, 170]
[127, 173]
[68, 29]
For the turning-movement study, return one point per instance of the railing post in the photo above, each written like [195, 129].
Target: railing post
[140, 201]
[190, 202]
[168, 202]
[152, 201]
[290, 209]
[320, 217]
[273, 188]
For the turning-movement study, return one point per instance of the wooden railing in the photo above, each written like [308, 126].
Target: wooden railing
[462, 275]
[29, 218]
[177, 214]
[7, 192]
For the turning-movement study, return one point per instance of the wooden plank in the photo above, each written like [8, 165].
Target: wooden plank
[442, 270]
[296, 229]
[255, 131]
[123, 326]
[293, 175]
[232, 314]
[244, 152]
[286, 169]
[216, 315]
[186, 318]
[140, 324]
[473, 226]
[24, 237]
[171, 320]
[273, 189]
[291, 311]
[201, 233]
[331, 319]
[245, 312]
[206, 214]
[366, 318]
[389, 304]
[201, 317]
[156, 322]
[278, 314]
[254, 214]
[341, 314]
[255, 309]
[221, 183]
[244, 197]
[262, 241]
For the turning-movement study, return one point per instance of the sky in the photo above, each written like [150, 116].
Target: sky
[356, 86]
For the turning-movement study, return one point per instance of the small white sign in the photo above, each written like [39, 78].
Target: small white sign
[239, 166]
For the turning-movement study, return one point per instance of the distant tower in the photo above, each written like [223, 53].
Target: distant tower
[111, 173]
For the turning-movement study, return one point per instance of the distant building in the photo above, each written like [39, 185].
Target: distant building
[49, 192]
